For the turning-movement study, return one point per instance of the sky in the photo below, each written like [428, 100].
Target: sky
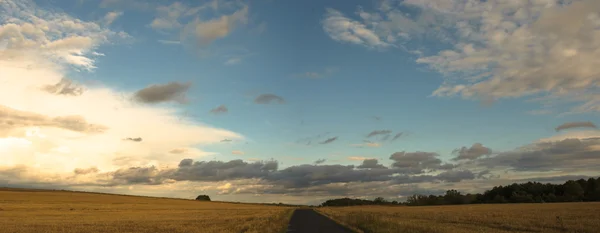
[297, 101]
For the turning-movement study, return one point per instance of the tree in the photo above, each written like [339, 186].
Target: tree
[379, 200]
[203, 198]
[573, 191]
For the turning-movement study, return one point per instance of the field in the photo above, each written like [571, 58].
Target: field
[61, 211]
[558, 217]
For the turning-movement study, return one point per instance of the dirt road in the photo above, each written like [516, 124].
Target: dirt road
[309, 221]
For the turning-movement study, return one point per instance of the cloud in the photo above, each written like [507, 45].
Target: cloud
[206, 31]
[237, 152]
[371, 164]
[268, 99]
[358, 158]
[570, 125]
[476, 151]
[169, 42]
[218, 171]
[320, 161]
[52, 37]
[47, 132]
[318, 74]
[379, 132]
[565, 155]
[110, 17]
[329, 140]
[15, 119]
[219, 110]
[418, 162]
[85, 171]
[127, 4]
[178, 151]
[492, 50]
[189, 22]
[367, 143]
[168, 16]
[233, 61]
[398, 135]
[64, 87]
[226, 140]
[138, 139]
[157, 93]
[311, 175]
[343, 29]
[308, 140]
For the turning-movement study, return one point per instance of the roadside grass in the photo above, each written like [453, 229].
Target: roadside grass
[58, 211]
[555, 217]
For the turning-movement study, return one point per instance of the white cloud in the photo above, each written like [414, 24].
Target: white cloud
[358, 158]
[207, 31]
[110, 17]
[233, 61]
[187, 20]
[237, 152]
[497, 49]
[343, 29]
[38, 49]
[28, 33]
[579, 134]
[169, 42]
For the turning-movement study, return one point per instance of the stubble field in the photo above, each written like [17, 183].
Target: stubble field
[555, 217]
[58, 211]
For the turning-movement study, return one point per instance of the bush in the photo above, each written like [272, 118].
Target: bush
[203, 198]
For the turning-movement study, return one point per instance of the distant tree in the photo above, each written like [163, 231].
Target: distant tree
[573, 191]
[203, 198]
[379, 200]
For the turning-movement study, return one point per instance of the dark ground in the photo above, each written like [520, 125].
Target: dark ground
[309, 221]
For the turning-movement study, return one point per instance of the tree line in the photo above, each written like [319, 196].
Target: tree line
[531, 192]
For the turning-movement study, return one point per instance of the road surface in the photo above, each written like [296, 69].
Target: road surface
[309, 221]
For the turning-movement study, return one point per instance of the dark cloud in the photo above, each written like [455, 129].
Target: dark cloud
[320, 161]
[138, 139]
[376, 118]
[186, 162]
[269, 99]
[379, 132]
[64, 87]
[474, 152]
[568, 154]
[139, 175]
[12, 118]
[570, 125]
[455, 176]
[418, 162]
[218, 170]
[371, 164]
[329, 140]
[310, 175]
[308, 140]
[158, 93]
[398, 135]
[226, 140]
[219, 110]
[84, 171]
[178, 151]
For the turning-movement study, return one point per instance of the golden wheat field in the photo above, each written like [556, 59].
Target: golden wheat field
[62, 211]
[556, 217]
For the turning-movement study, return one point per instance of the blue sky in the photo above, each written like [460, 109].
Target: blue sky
[343, 69]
